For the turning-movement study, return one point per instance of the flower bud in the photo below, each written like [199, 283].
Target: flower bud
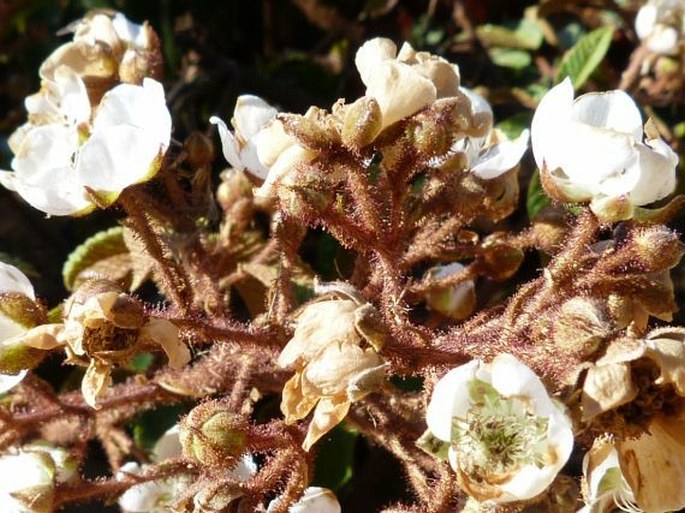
[657, 248]
[363, 122]
[612, 209]
[454, 301]
[500, 260]
[212, 435]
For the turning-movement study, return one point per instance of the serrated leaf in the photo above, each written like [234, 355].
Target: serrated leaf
[536, 199]
[581, 60]
[103, 254]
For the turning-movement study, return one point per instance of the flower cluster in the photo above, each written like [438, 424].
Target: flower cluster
[87, 138]
[661, 25]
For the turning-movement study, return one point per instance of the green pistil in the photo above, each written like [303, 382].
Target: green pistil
[498, 435]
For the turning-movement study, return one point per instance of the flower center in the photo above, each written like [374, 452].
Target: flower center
[498, 435]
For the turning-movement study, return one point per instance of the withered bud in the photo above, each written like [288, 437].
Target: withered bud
[199, 150]
[315, 130]
[499, 260]
[657, 248]
[580, 326]
[109, 301]
[363, 122]
[212, 435]
[234, 187]
[550, 228]
[139, 63]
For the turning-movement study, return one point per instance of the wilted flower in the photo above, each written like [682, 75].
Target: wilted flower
[107, 47]
[69, 157]
[614, 379]
[29, 477]
[335, 364]
[403, 83]
[604, 486]
[507, 438]
[103, 327]
[160, 495]
[592, 149]
[314, 500]
[661, 25]
[454, 301]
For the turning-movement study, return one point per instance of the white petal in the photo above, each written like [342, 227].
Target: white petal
[450, 398]
[645, 20]
[614, 110]
[165, 333]
[148, 497]
[251, 114]
[664, 40]
[25, 470]
[511, 378]
[399, 90]
[168, 446]
[372, 53]
[129, 32]
[229, 146]
[13, 280]
[286, 163]
[44, 174]
[657, 179]
[314, 500]
[9, 381]
[478, 103]
[553, 112]
[245, 469]
[502, 157]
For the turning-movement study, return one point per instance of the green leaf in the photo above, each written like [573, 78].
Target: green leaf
[510, 57]
[527, 35]
[581, 60]
[514, 125]
[105, 253]
[536, 200]
[335, 458]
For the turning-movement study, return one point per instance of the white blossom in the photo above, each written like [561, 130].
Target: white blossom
[314, 500]
[160, 495]
[12, 281]
[66, 156]
[592, 148]
[661, 25]
[492, 155]
[507, 438]
[258, 137]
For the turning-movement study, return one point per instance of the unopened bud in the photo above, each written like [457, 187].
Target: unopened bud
[212, 435]
[657, 248]
[363, 122]
[454, 301]
[500, 260]
[433, 131]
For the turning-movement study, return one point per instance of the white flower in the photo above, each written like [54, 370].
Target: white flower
[258, 138]
[62, 160]
[604, 485]
[12, 282]
[661, 25]
[492, 155]
[314, 500]
[507, 438]
[592, 148]
[159, 496]
[403, 83]
[27, 484]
